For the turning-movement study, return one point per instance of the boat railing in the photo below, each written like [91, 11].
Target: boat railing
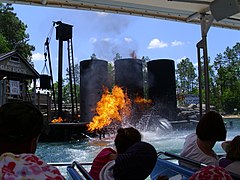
[178, 157]
[78, 172]
[182, 170]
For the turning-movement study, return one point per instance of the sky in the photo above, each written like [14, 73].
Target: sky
[106, 34]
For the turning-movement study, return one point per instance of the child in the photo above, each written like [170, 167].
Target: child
[232, 160]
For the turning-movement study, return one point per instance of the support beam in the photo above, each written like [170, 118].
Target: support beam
[206, 22]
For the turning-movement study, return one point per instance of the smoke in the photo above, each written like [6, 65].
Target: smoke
[111, 24]
[107, 48]
[110, 38]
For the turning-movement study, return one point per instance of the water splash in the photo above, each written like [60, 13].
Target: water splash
[154, 123]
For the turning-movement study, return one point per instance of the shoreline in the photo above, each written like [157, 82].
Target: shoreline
[231, 116]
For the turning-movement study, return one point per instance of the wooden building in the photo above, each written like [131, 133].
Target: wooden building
[16, 74]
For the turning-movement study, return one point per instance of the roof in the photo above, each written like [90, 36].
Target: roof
[179, 10]
[27, 64]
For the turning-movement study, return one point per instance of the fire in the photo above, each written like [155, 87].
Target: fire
[140, 100]
[142, 103]
[113, 106]
[58, 120]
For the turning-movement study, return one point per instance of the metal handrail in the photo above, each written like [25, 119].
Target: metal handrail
[189, 161]
[75, 174]
[69, 163]
[192, 162]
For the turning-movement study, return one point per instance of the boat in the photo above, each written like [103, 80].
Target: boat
[206, 13]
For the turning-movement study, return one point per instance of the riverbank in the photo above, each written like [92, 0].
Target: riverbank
[231, 116]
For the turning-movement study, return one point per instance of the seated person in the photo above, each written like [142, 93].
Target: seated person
[137, 162]
[20, 126]
[125, 138]
[199, 146]
[232, 160]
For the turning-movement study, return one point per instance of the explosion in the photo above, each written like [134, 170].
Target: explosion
[113, 106]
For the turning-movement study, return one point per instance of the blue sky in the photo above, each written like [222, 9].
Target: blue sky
[106, 34]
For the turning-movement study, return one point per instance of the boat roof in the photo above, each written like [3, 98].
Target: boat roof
[225, 12]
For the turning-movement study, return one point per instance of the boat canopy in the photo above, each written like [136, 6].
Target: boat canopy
[226, 13]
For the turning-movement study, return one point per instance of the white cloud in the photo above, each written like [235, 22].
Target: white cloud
[102, 14]
[106, 39]
[177, 43]
[128, 40]
[92, 40]
[38, 56]
[156, 43]
[195, 65]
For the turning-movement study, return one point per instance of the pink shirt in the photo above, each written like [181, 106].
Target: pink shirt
[26, 166]
[100, 160]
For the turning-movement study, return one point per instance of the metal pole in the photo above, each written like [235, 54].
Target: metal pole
[206, 73]
[199, 45]
[60, 54]
[74, 78]
[70, 77]
[51, 74]
[206, 22]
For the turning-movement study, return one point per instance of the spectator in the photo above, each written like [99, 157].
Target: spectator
[137, 162]
[125, 138]
[199, 146]
[211, 172]
[232, 160]
[20, 126]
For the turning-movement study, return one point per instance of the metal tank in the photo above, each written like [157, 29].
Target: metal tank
[129, 76]
[162, 87]
[93, 77]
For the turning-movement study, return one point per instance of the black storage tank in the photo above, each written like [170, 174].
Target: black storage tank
[93, 77]
[129, 76]
[162, 87]
[45, 81]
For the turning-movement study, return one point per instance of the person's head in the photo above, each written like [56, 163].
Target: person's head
[125, 138]
[233, 150]
[20, 126]
[211, 172]
[211, 127]
[137, 162]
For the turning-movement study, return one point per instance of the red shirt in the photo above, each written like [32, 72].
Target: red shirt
[99, 161]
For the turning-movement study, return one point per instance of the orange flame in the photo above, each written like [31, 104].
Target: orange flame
[59, 120]
[142, 103]
[113, 106]
[140, 100]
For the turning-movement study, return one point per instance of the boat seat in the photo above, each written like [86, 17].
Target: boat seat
[167, 168]
[78, 172]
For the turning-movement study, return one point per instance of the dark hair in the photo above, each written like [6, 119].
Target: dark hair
[211, 127]
[137, 162]
[19, 122]
[125, 138]
[233, 152]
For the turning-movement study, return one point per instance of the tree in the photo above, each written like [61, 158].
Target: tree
[13, 34]
[66, 87]
[186, 76]
[227, 66]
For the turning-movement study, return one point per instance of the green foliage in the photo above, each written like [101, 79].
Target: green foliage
[13, 34]
[227, 66]
[224, 79]
[186, 76]
[66, 87]
[4, 45]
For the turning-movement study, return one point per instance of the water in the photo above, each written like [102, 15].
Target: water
[86, 150]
